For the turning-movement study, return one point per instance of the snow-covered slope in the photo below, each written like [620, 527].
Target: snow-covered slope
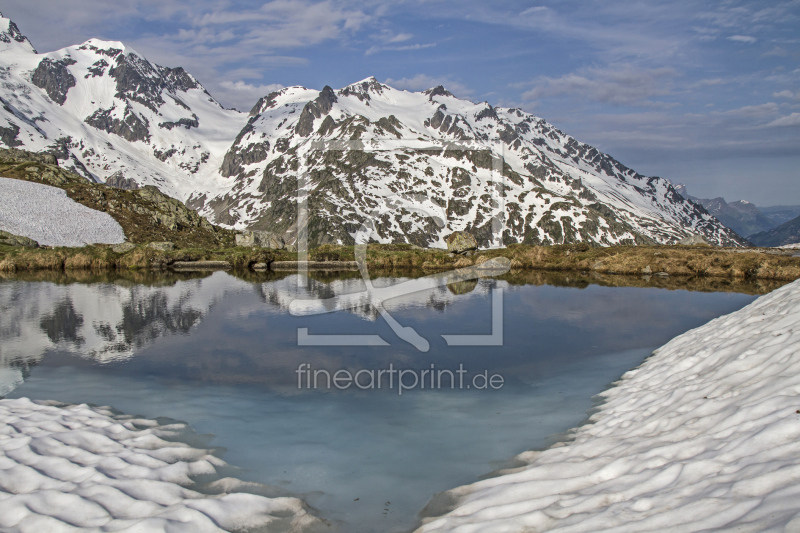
[704, 436]
[81, 468]
[48, 216]
[107, 112]
[425, 163]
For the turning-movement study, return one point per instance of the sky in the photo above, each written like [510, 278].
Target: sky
[701, 93]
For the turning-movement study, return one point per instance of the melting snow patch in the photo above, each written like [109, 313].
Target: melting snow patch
[47, 215]
[704, 435]
[68, 467]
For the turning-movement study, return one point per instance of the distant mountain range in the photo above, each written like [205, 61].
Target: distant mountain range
[786, 233]
[421, 165]
[763, 226]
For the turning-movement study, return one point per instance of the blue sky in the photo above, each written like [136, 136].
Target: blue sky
[705, 93]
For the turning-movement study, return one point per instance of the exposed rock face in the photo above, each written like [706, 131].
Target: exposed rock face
[185, 122]
[259, 239]
[240, 155]
[164, 246]
[119, 181]
[461, 242]
[693, 239]
[12, 34]
[9, 239]
[123, 247]
[319, 107]
[131, 126]
[55, 78]
[8, 135]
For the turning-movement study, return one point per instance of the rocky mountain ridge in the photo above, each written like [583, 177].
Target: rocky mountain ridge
[741, 216]
[417, 165]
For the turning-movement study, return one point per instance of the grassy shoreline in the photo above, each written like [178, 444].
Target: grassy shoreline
[654, 261]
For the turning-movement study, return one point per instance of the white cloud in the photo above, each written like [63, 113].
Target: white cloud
[742, 39]
[621, 85]
[785, 94]
[375, 49]
[760, 110]
[420, 82]
[243, 95]
[791, 121]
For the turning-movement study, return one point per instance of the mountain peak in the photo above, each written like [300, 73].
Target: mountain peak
[363, 89]
[439, 90]
[11, 39]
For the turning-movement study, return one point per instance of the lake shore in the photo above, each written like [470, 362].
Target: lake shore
[703, 435]
[653, 261]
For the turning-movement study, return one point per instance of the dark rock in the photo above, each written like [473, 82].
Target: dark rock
[439, 90]
[9, 239]
[14, 34]
[187, 123]
[132, 127]
[264, 103]
[8, 136]
[55, 78]
[119, 181]
[320, 106]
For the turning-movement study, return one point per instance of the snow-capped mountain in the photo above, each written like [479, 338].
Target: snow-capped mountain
[425, 164]
[108, 113]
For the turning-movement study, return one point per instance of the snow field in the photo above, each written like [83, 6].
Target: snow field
[47, 215]
[68, 467]
[704, 435]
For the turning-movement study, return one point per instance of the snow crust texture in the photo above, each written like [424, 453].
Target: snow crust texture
[48, 216]
[705, 435]
[68, 467]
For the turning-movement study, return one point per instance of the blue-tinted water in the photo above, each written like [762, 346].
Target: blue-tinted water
[222, 354]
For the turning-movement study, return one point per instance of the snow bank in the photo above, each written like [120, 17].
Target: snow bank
[67, 467]
[48, 216]
[704, 435]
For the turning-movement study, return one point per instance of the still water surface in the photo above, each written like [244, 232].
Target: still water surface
[221, 353]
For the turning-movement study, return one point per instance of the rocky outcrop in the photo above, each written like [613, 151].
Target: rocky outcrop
[146, 215]
[123, 247]
[259, 239]
[9, 239]
[320, 106]
[691, 240]
[461, 242]
[164, 246]
[119, 181]
[131, 127]
[55, 78]
[187, 123]
[238, 156]
[8, 136]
